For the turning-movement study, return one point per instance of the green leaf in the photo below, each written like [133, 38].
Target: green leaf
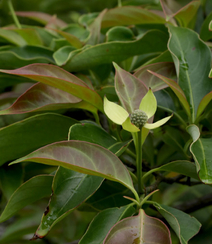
[203, 104]
[61, 79]
[192, 61]
[29, 192]
[186, 16]
[12, 37]
[119, 33]
[139, 229]
[103, 222]
[42, 18]
[115, 112]
[180, 166]
[95, 29]
[91, 133]
[130, 15]
[210, 26]
[69, 190]
[177, 90]
[15, 57]
[109, 195]
[10, 179]
[201, 151]
[61, 56]
[83, 157]
[30, 35]
[205, 32]
[129, 89]
[163, 68]
[183, 224]
[41, 97]
[24, 136]
[117, 51]
[73, 40]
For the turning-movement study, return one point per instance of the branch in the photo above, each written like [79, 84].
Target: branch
[195, 204]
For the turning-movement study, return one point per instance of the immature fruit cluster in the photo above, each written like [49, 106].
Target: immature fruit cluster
[138, 118]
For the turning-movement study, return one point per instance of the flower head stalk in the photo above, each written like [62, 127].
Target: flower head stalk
[137, 119]
[134, 123]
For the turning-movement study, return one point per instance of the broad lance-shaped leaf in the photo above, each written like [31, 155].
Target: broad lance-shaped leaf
[183, 224]
[42, 18]
[203, 104]
[41, 97]
[38, 97]
[181, 166]
[117, 51]
[202, 153]
[29, 192]
[95, 134]
[69, 190]
[129, 89]
[192, 61]
[130, 15]
[103, 222]
[139, 229]
[27, 135]
[181, 15]
[83, 157]
[166, 69]
[54, 76]
[20, 56]
[176, 89]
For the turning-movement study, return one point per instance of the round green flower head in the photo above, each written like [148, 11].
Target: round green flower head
[138, 118]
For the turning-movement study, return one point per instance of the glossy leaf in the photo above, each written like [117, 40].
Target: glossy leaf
[41, 97]
[42, 18]
[29, 192]
[164, 68]
[105, 53]
[69, 190]
[192, 61]
[181, 167]
[203, 104]
[183, 224]
[73, 40]
[139, 229]
[12, 37]
[129, 89]
[15, 57]
[91, 133]
[181, 15]
[61, 79]
[119, 33]
[83, 157]
[177, 90]
[205, 32]
[62, 54]
[103, 222]
[95, 29]
[201, 151]
[130, 15]
[30, 35]
[19, 138]
[210, 26]
[109, 195]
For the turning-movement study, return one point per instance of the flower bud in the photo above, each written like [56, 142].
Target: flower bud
[138, 118]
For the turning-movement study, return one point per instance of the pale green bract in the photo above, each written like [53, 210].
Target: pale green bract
[120, 116]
